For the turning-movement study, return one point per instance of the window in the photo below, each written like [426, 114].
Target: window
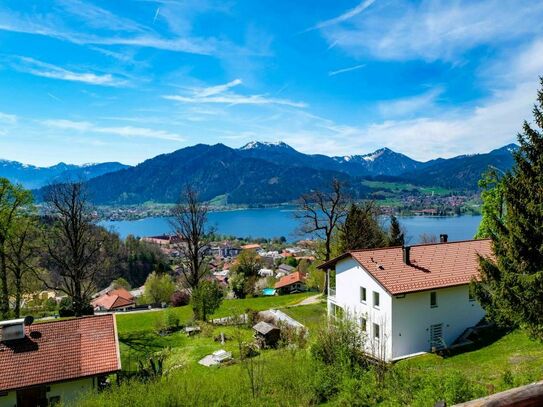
[375, 299]
[436, 336]
[363, 324]
[433, 299]
[376, 333]
[362, 294]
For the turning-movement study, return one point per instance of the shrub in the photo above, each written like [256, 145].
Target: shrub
[206, 299]
[65, 308]
[171, 320]
[180, 298]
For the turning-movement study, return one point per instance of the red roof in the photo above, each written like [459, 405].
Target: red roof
[289, 279]
[432, 266]
[113, 299]
[59, 351]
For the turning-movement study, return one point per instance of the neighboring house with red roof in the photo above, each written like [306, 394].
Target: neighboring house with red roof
[409, 300]
[53, 362]
[292, 283]
[114, 300]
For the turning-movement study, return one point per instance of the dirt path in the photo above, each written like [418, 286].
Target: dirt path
[314, 299]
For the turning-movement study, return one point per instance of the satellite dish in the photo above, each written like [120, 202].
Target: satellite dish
[29, 320]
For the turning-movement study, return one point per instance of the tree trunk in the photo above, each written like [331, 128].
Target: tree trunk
[4, 299]
[18, 297]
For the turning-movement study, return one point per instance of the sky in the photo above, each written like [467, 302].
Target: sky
[95, 81]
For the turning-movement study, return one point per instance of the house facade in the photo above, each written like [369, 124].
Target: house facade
[56, 362]
[408, 300]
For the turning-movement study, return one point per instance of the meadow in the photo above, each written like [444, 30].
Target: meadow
[291, 376]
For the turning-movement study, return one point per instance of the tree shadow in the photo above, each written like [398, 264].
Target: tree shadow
[481, 338]
[143, 342]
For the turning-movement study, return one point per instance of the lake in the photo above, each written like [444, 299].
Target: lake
[276, 222]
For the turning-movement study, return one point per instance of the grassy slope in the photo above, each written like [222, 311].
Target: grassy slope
[138, 338]
[286, 377]
[143, 321]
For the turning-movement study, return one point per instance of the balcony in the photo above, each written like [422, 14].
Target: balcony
[332, 293]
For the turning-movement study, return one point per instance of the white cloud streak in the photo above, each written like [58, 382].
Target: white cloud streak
[7, 118]
[43, 69]
[123, 131]
[221, 94]
[345, 16]
[344, 70]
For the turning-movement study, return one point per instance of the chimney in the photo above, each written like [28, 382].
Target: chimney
[443, 238]
[407, 255]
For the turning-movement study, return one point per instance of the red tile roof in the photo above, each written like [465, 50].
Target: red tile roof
[59, 351]
[113, 299]
[289, 279]
[432, 266]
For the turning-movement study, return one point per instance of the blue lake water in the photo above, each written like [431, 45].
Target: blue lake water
[275, 222]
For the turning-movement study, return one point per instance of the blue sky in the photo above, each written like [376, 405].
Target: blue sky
[127, 80]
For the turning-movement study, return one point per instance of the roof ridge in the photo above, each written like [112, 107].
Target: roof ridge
[69, 319]
[417, 245]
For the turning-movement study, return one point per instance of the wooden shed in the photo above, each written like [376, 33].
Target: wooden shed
[267, 334]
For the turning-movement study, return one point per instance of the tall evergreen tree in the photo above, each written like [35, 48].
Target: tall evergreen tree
[511, 289]
[395, 233]
[362, 229]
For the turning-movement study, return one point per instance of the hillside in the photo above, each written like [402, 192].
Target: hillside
[462, 172]
[214, 171]
[272, 173]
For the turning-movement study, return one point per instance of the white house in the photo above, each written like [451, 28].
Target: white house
[408, 300]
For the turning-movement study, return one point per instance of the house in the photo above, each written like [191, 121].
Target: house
[56, 361]
[251, 246]
[265, 272]
[114, 300]
[267, 335]
[408, 300]
[292, 283]
[286, 268]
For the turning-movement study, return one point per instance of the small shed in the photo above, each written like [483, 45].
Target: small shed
[267, 334]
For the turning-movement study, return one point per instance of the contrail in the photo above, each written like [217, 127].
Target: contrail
[156, 14]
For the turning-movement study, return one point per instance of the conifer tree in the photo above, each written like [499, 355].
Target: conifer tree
[511, 290]
[361, 229]
[395, 233]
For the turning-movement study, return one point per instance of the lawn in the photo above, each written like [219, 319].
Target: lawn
[144, 321]
[512, 357]
[138, 338]
[288, 376]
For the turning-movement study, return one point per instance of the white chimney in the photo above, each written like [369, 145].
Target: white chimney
[14, 329]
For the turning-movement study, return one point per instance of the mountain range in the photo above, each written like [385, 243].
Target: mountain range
[259, 173]
[32, 177]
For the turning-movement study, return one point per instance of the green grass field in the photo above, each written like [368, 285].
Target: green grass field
[288, 376]
[143, 321]
[138, 337]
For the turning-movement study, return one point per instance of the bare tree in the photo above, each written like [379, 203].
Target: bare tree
[428, 238]
[73, 244]
[189, 219]
[321, 213]
[23, 250]
[12, 199]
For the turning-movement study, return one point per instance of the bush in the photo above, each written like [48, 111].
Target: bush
[65, 308]
[171, 320]
[206, 299]
[180, 298]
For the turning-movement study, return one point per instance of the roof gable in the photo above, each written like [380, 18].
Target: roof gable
[289, 279]
[432, 266]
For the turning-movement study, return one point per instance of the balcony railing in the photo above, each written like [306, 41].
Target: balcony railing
[332, 292]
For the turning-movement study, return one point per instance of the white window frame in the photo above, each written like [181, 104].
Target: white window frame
[377, 296]
[376, 330]
[363, 290]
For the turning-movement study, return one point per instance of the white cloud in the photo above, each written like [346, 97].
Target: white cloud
[123, 131]
[220, 94]
[39, 68]
[7, 118]
[344, 70]
[411, 105]
[345, 16]
[402, 30]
